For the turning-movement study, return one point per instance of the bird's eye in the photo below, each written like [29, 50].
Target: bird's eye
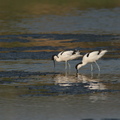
[80, 63]
[53, 57]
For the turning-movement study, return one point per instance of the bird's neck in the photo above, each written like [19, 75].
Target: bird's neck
[57, 58]
[84, 63]
[80, 65]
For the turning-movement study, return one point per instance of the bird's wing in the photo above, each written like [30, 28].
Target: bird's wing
[71, 52]
[101, 53]
[69, 55]
[91, 56]
[59, 54]
[66, 53]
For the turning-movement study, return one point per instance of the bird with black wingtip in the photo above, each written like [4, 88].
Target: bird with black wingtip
[66, 56]
[90, 58]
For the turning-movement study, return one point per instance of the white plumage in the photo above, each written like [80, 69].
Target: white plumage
[65, 56]
[91, 57]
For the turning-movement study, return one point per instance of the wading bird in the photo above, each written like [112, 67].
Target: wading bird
[90, 58]
[65, 56]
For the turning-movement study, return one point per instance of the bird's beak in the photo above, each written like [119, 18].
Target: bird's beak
[76, 73]
[54, 63]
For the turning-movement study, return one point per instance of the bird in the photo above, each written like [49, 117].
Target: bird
[65, 56]
[90, 58]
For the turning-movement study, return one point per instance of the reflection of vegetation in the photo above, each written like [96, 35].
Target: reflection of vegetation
[13, 11]
[54, 45]
[14, 7]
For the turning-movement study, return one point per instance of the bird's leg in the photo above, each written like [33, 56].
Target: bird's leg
[98, 75]
[91, 71]
[97, 66]
[54, 64]
[91, 75]
[91, 67]
[66, 64]
[68, 67]
[66, 73]
[98, 69]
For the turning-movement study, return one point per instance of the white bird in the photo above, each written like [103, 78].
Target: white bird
[65, 56]
[90, 58]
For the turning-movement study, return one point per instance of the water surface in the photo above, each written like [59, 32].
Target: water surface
[78, 16]
[31, 32]
[30, 89]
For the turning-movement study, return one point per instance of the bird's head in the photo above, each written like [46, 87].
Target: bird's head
[78, 66]
[53, 58]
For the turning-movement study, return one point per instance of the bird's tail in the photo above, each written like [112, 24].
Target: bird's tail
[78, 53]
[102, 53]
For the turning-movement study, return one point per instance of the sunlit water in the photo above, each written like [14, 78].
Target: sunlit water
[32, 89]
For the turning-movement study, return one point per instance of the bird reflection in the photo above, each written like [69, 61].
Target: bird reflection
[93, 83]
[85, 81]
[64, 80]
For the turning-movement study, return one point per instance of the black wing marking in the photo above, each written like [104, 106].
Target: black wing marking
[62, 52]
[74, 52]
[88, 54]
[99, 52]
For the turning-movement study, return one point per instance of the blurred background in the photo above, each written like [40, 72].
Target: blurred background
[31, 31]
[59, 16]
[51, 26]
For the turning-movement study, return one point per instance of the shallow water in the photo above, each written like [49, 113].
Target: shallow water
[78, 16]
[30, 33]
[32, 89]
